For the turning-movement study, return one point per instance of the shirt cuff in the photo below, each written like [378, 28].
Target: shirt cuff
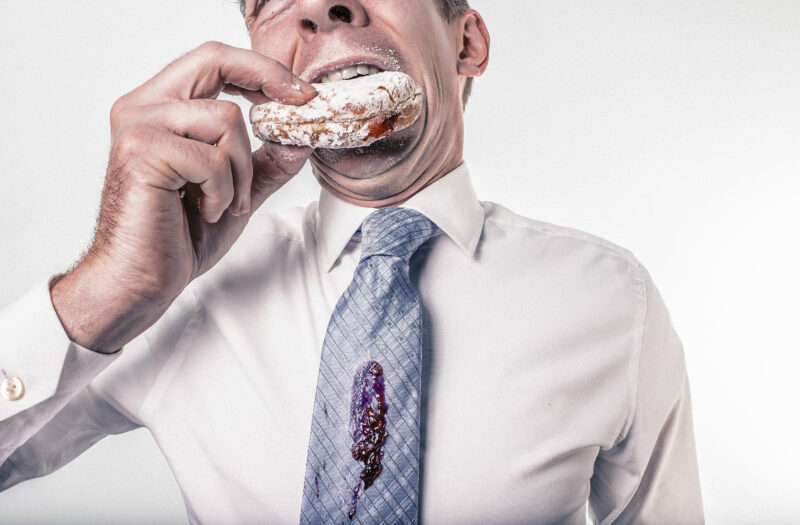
[37, 359]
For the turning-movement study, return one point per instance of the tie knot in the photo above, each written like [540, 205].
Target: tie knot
[395, 231]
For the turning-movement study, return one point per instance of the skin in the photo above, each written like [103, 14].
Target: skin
[182, 182]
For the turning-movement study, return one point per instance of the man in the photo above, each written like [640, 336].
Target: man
[550, 373]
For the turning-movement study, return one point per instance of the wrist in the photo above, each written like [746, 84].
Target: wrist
[98, 313]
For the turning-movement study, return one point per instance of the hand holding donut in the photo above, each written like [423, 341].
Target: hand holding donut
[179, 159]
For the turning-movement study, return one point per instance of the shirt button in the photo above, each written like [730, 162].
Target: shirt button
[12, 388]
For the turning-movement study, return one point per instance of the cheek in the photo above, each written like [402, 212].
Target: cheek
[443, 78]
[437, 48]
[276, 42]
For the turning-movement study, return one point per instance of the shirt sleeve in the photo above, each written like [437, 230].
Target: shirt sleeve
[48, 414]
[650, 475]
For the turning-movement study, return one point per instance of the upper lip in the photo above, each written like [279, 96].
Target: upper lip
[315, 74]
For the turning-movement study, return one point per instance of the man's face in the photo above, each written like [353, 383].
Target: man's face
[316, 37]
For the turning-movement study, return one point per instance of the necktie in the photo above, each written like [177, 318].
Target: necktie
[363, 455]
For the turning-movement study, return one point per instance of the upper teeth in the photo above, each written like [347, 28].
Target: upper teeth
[348, 72]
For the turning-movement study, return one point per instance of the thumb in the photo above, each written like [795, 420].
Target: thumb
[273, 166]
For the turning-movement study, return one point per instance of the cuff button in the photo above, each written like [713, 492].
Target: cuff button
[12, 388]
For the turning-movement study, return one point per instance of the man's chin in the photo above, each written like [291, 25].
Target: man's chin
[367, 162]
[381, 174]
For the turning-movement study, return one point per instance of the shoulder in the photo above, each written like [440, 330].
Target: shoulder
[602, 288]
[501, 218]
[580, 276]
[572, 250]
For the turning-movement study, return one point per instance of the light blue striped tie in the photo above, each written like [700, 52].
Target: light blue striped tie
[363, 454]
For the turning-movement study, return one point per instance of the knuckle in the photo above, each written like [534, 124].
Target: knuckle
[226, 193]
[129, 143]
[219, 161]
[231, 114]
[116, 114]
[211, 48]
[204, 106]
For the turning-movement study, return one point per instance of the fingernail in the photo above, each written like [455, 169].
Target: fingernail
[304, 87]
[242, 208]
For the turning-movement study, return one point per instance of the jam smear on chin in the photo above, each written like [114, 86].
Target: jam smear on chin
[367, 425]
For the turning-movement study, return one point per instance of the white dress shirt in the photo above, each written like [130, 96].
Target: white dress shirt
[551, 374]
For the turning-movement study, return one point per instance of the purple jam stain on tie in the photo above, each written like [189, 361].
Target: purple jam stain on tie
[353, 506]
[317, 476]
[367, 424]
[325, 410]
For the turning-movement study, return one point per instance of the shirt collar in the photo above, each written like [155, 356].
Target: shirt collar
[450, 202]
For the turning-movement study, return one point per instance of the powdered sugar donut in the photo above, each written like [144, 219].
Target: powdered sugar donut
[344, 114]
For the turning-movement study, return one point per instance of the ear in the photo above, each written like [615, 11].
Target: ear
[473, 55]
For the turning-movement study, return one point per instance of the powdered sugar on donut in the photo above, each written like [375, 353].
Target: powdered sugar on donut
[344, 114]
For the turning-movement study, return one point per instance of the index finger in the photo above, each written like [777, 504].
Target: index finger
[207, 69]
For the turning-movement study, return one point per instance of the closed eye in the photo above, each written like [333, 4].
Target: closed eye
[259, 6]
[273, 9]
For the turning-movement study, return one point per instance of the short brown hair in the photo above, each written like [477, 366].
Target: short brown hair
[450, 10]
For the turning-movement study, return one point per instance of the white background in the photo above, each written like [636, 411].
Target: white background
[671, 128]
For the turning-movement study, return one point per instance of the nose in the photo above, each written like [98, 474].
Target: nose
[317, 16]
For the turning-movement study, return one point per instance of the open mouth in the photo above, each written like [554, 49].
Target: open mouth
[349, 72]
[347, 69]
